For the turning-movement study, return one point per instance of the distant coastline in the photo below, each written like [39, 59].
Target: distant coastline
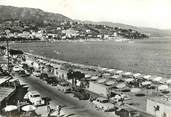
[120, 39]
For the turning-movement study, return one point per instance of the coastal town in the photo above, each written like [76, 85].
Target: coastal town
[55, 66]
[66, 29]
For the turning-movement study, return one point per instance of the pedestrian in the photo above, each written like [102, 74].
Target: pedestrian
[48, 108]
[18, 105]
[59, 107]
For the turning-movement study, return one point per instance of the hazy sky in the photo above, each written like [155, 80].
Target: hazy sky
[146, 13]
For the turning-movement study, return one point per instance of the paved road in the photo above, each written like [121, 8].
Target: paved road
[80, 108]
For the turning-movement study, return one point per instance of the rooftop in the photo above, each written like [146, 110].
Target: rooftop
[5, 92]
[166, 100]
[4, 79]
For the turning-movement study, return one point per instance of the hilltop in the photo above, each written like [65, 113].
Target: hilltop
[36, 15]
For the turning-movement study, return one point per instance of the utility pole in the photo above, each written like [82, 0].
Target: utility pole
[7, 41]
[8, 51]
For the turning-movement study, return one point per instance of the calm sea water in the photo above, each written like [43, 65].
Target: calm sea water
[152, 56]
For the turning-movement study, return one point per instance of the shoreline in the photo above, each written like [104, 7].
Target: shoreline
[117, 39]
[93, 67]
[107, 49]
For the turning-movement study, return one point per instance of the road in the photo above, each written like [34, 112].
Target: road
[80, 108]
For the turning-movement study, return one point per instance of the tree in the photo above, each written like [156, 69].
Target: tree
[70, 76]
[75, 76]
[78, 76]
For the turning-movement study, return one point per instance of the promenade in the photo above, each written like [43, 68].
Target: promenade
[137, 99]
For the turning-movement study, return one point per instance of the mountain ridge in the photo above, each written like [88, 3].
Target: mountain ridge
[29, 13]
[147, 30]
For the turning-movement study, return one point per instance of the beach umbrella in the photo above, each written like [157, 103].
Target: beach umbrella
[119, 72]
[146, 83]
[115, 76]
[87, 75]
[129, 80]
[110, 82]
[135, 90]
[168, 81]
[127, 73]
[94, 77]
[106, 74]
[157, 79]
[121, 85]
[101, 80]
[9, 108]
[137, 75]
[29, 108]
[104, 69]
[163, 87]
[147, 77]
[110, 70]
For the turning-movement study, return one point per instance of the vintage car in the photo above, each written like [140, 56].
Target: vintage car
[35, 98]
[37, 73]
[103, 104]
[64, 87]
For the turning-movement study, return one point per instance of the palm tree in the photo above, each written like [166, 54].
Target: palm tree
[75, 76]
[78, 76]
[70, 76]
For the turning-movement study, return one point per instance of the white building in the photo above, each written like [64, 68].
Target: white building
[159, 106]
[106, 36]
[97, 88]
[115, 34]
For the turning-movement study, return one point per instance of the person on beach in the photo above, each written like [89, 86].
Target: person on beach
[49, 110]
[58, 108]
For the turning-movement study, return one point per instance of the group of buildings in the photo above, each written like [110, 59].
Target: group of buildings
[69, 34]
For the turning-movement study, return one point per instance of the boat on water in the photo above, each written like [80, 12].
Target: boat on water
[57, 52]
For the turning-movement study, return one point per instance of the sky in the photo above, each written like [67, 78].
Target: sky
[143, 13]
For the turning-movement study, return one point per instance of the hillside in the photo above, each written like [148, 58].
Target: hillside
[37, 15]
[152, 31]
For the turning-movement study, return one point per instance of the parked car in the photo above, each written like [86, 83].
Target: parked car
[27, 73]
[35, 98]
[37, 73]
[81, 94]
[52, 80]
[17, 68]
[24, 73]
[103, 103]
[65, 87]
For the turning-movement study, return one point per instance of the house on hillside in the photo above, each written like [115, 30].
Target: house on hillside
[99, 36]
[70, 33]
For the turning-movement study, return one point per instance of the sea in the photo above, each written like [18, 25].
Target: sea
[148, 56]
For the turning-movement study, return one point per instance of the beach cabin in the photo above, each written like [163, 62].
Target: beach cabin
[159, 106]
[98, 89]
